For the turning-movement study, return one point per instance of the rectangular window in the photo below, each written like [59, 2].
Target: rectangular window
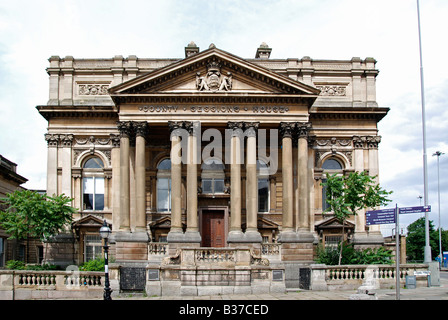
[212, 186]
[325, 205]
[164, 194]
[263, 195]
[92, 247]
[332, 241]
[93, 193]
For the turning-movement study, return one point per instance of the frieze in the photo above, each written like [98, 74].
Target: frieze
[214, 109]
[93, 89]
[332, 90]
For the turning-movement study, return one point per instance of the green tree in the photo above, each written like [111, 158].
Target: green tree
[348, 194]
[30, 214]
[415, 240]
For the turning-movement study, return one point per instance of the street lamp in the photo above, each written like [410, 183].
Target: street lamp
[105, 232]
[438, 154]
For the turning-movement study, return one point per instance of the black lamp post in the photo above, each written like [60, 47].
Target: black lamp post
[105, 232]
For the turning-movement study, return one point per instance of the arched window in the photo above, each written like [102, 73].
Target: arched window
[93, 184]
[164, 186]
[263, 186]
[330, 166]
[212, 176]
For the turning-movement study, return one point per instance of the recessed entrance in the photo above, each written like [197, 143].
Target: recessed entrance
[213, 227]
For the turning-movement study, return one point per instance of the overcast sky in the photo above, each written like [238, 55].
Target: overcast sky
[32, 31]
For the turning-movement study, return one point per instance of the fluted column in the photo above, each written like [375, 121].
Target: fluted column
[252, 182]
[286, 130]
[235, 233]
[141, 129]
[359, 144]
[125, 130]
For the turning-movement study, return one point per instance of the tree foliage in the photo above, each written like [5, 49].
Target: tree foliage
[415, 240]
[35, 215]
[330, 256]
[348, 194]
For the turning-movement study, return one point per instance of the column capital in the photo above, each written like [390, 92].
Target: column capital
[192, 127]
[373, 141]
[125, 128]
[287, 129]
[52, 139]
[115, 140]
[359, 142]
[303, 129]
[251, 128]
[66, 140]
[141, 128]
[176, 125]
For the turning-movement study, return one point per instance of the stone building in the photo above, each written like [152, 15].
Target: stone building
[211, 150]
[29, 250]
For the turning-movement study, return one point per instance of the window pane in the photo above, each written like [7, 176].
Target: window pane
[164, 164]
[88, 185]
[325, 205]
[263, 195]
[94, 163]
[99, 185]
[332, 164]
[88, 201]
[219, 185]
[163, 194]
[207, 186]
[99, 202]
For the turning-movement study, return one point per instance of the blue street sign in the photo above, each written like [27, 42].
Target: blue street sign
[383, 216]
[419, 209]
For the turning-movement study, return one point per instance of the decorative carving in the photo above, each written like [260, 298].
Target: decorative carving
[140, 128]
[115, 140]
[125, 128]
[214, 81]
[287, 129]
[359, 142]
[332, 90]
[173, 259]
[52, 139]
[303, 129]
[93, 89]
[373, 141]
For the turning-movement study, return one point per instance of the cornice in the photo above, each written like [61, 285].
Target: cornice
[68, 111]
[339, 113]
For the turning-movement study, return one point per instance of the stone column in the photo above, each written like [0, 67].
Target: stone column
[235, 232]
[192, 233]
[302, 176]
[176, 234]
[141, 129]
[125, 130]
[286, 130]
[115, 161]
[252, 234]
[52, 163]
[358, 163]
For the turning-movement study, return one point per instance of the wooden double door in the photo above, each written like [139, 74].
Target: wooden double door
[213, 228]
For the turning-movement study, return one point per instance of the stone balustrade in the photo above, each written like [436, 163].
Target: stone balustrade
[352, 276]
[27, 284]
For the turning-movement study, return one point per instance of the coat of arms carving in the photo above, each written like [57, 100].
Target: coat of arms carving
[213, 80]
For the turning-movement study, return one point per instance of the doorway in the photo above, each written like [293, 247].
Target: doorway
[213, 227]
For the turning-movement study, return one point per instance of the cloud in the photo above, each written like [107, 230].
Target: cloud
[32, 31]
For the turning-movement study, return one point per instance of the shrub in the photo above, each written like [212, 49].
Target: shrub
[15, 265]
[93, 265]
[330, 256]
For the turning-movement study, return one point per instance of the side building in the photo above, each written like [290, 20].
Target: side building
[211, 150]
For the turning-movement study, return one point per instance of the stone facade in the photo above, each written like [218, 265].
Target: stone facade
[247, 141]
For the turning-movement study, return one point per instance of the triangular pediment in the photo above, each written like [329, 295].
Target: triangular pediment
[213, 72]
[88, 221]
[333, 222]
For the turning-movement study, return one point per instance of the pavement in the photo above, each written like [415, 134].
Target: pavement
[420, 293]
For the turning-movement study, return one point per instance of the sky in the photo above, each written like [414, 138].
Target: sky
[33, 30]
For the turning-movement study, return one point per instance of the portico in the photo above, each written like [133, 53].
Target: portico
[211, 150]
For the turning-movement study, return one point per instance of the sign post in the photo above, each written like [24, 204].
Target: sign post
[386, 216]
[397, 252]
